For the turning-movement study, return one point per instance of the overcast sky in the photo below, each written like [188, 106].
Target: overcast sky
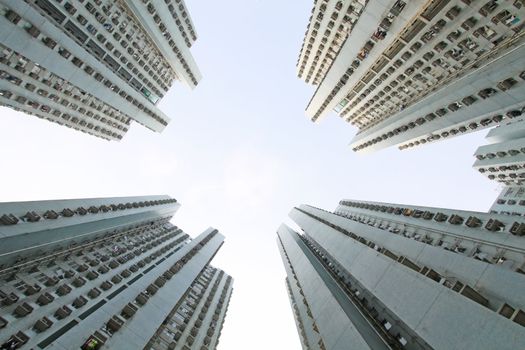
[238, 155]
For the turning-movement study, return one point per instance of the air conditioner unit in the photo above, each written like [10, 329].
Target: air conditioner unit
[31, 216]
[440, 217]
[67, 213]
[43, 324]
[51, 215]
[9, 219]
[79, 302]
[518, 228]
[473, 221]
[428, 215]
[455, 220]
[115, 323]
[93, 293]
[44, 299]
[494, 225]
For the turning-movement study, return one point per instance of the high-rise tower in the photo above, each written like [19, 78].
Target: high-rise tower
[503, 159]
[511, 201]
[107, 273]
[411, 72]
[388, 276]
[94, 65]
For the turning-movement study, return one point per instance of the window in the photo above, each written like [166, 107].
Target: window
[70, 8]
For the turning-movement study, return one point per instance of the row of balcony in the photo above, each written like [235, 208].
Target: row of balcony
[469, 126]
[162, 27]
[78, 280]
[117, 321]
[362, 55]
[184, 310]
[493, 225]
[82, 39]
[344, 27]
[32, 216]
[27, 67]
[485, 93]
[46, 7]
[26, 307]
[74, 116]
[491, 253]
[452, 283]
[467, 45]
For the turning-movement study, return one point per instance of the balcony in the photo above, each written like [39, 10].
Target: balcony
[79, 282]
[62, 312]
[518, 229]
[440, 217]
[103, 269]
[32, 289]
[473, 222]
[507, 84]
[43, 324]
[23, 310]
[79, 302]
[494, 225]
[91, 275]
[142, 298]
[152, 289]
[16, 341]
[63, 290]
[125, 273]
[94, 293]
[455, 219]
[44, 299]
[129, 310]
[94, 342]
[115, 323]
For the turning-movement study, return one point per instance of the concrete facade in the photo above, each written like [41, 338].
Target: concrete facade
[393, 75]
[94, 65]
[404, 277]
[511, 201]
[107, 273]
[503, 159]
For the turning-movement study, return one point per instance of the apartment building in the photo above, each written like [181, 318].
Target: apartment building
[95, 66]
[407, 73]
[503, 158]
[388, 276]
[107, 273]
[511, 201]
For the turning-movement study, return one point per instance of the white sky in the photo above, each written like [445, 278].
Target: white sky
[239, 154]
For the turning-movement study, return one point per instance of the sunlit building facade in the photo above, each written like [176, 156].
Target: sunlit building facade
[387, 276]
[107, 273]
[94, 65]
[407, 73]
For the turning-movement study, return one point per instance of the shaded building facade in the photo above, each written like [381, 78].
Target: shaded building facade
[387, 276]
[108, 273]
[407, 73]
[95, 66]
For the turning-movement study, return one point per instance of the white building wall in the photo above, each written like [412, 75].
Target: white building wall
[133, 91]
[335, 330]
[420, 302]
